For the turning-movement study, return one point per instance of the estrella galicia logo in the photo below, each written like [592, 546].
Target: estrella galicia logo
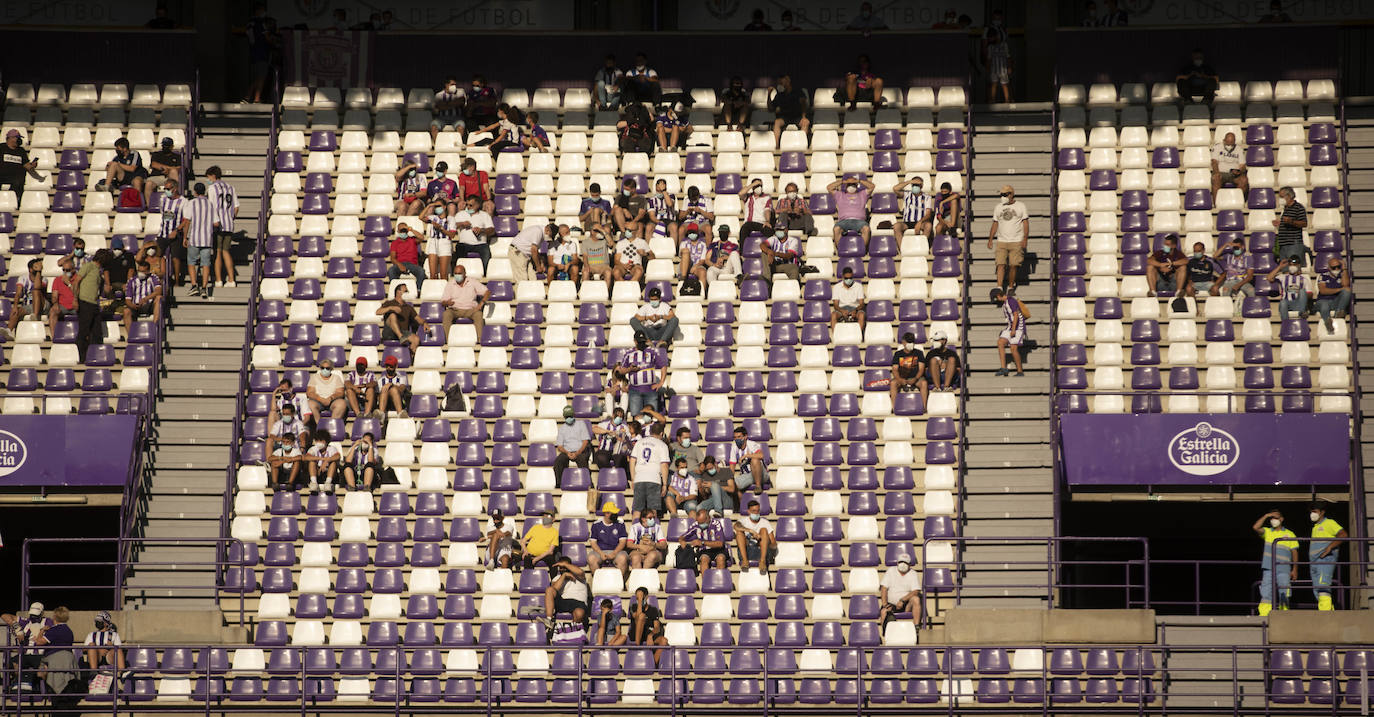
[1204, 450]
[13, 453]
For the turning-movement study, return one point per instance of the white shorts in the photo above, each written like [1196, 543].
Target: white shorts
[436, 246]
[1014, 339]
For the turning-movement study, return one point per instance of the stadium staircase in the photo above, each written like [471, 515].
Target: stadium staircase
[1009, 481]
[195, 408]
[1359, 154]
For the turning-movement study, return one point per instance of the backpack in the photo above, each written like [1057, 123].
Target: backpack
[691, 286]
[453, 398]
[130, 198]
[685, 557]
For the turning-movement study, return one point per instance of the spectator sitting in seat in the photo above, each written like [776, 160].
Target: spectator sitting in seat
[736, 105]
[410, 191]
[694, 259]
[1239, 272]
[757, 22]
[393, 388]
[595, 210]
[596, 257]
[362, 463]
[533, 136]
[608, 542]
[685, 447]
[25, 631]
[1333, 292]
[758, 209]
[782, 254]
[662, 210]
[284, 462]
[636, 129]
[441, 190]
[1201, 276]
[284, 396]
[847, 301]
[631, 252]
[562, 259]
[900, 591]
[682, 487]
[787, 22]
[118, 266]
[790, 106]
[861, 85]
[648, 541]
[325, 390]
[640, 83]
[404, 255]
[361, 389]
[102, 645]
[1197, 79]
[646, 623]
[322, 460]
[126, 169]
[464, 299]
[164, 166]
[947, 210]
[474, 182]
[400, 321]
[573, 443]
[1164, 266]
[449, 103]
[851, 207]
[442, 226]
[672, 126]
[645, 368]
[475, 231]
[724, 257]
[649, 471]
[29, 297]
[613, 439]
[1288, 242]
[696, 209]
[608, 626]
[631, 213]
[1013, 336]
[502, 547]
[480, 107]
[62, 292]
[540, 544]
[746, 460]
[507, 127]
[943, 363]
[608, 81]
[918, 208]
[716, 489]
[142, 297]
[754, 537]
[793, 211]
[1295, 288]
[1228, 166]
[909, 369]
[569, 592]
[707, 539]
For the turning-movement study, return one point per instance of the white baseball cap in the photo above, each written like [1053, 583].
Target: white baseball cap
[36, 609]
[939, 336]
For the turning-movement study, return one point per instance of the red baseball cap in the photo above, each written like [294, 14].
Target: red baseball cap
[389, 361]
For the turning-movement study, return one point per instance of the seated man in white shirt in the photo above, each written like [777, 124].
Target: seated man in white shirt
[900, 591]
[847, 301]
[746, 460]
[754, 537]
[656, 320]
[1228, 166]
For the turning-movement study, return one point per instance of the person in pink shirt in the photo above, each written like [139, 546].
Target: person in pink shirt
[463, 299]
[851, 207]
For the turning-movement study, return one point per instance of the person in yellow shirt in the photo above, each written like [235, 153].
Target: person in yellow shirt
[1278, 565]
[1324, 554]
[540, 543]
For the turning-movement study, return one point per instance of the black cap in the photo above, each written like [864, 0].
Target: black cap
[655, 293]
[167, 142]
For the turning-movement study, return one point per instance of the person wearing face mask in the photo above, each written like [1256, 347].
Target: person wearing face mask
[900, 591]
[151, 253]
[595, 209]
[507, 128]
[686, 448]
[782, 254]
[168, 241]
[997, 58]
[725, 259]
[631, 253]
[573, 444]
[102, 645]
[410, 190]
[861, 85]
[850, 195]
[793, 211]
[164, 166]
[362, 463]
[474, 182]
[1278, 563]
[736, 105]
[662, 210]
[15, 165]
[442, 189]
[608, 542]
[641, 83]
[1201, 274]
[361, 388]
[635, 128]
[476, 231]
[696, 209]
[480, 107]
[942, 363]
[464, 298]
[562, 252]
[29, 297]
[918, 208]
[1295, 288]
[540, 544]
[403, 255]
[682, 488]
[393, 388]
[673, 128]
[648, 541]
[948, 209]
[1288, 242]
[322, 461]
[1197, 80]
[1164, 266]
[1228, 166]
[118, 266]
[502, 547]
[1333, 292]
[790, 106]
[645, 368]
[608, 81]
[400, 321]
[62, 292]
[568, 594]
[325, 391]
[596, 257]
[449, 103]
[707, 539]
[24, 630]
[716, 488]
[951, 20]
[142, 296]
[1324, 554]
[649, 471]
[1010, 233]
[908, 369]
[1012, 337]
[613, 438]
[847, 301]
[745, 458]
[1238, 272]
[287, 424]
[754, 538]
[694, 259]
[758, 209]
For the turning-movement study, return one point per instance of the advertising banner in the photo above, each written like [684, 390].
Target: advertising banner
[1206, 449]
[66, 450]
[328, 58]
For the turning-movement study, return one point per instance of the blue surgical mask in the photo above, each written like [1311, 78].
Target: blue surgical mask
[711, 471]
[687, 442]
[755, 517]
[78, 252]
[326, 372]
[654, 303]
[849, 281]
[438, 175]
[1197, 255]
[702, 525]
[651, 522]
[617, 420]
[569, 420]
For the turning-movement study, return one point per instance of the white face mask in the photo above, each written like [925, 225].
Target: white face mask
[903, 568]
[459, 278]
[1315, 516]
[687, 442]
[655, 303]
[1294, 268]
[758, 191]
[452, 89]
[852, 189]
[118, 252]
[143, 275]
[682, 472]
[1275, 522]
[908, 346]
[791, 195]
[319, 445]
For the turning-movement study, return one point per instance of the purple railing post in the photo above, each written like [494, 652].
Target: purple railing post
[581, 698]
[767, 701]
[401, 656]
[486, 681]
[672, 674]
[24, 574]
[303, 678]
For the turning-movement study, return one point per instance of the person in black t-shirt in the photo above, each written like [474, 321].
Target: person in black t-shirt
[909, 368]
[735, 104]
[163, 165]
[789, 104]
[943, 362]
[1202, 272]
[119, 267]
[1197, 79]
[15, 164]
[646, 622]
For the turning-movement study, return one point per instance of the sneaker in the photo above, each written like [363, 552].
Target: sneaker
[314, 488]
[1002, 372]
[1330, 328]
[193, 291]
[329, 489]
[100, 186]
[1340, 314]
[219, 284]
[1020, 373]
[231, 284]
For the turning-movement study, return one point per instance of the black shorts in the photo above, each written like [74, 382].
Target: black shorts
[710, 553]
[145, 310]
[562, 604]
[791, 118]
[863, 94]
[138, 172]
[389, 335]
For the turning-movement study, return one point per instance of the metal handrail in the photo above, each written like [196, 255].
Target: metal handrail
[966, 304]
[1357, 484]
[1056, 454]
